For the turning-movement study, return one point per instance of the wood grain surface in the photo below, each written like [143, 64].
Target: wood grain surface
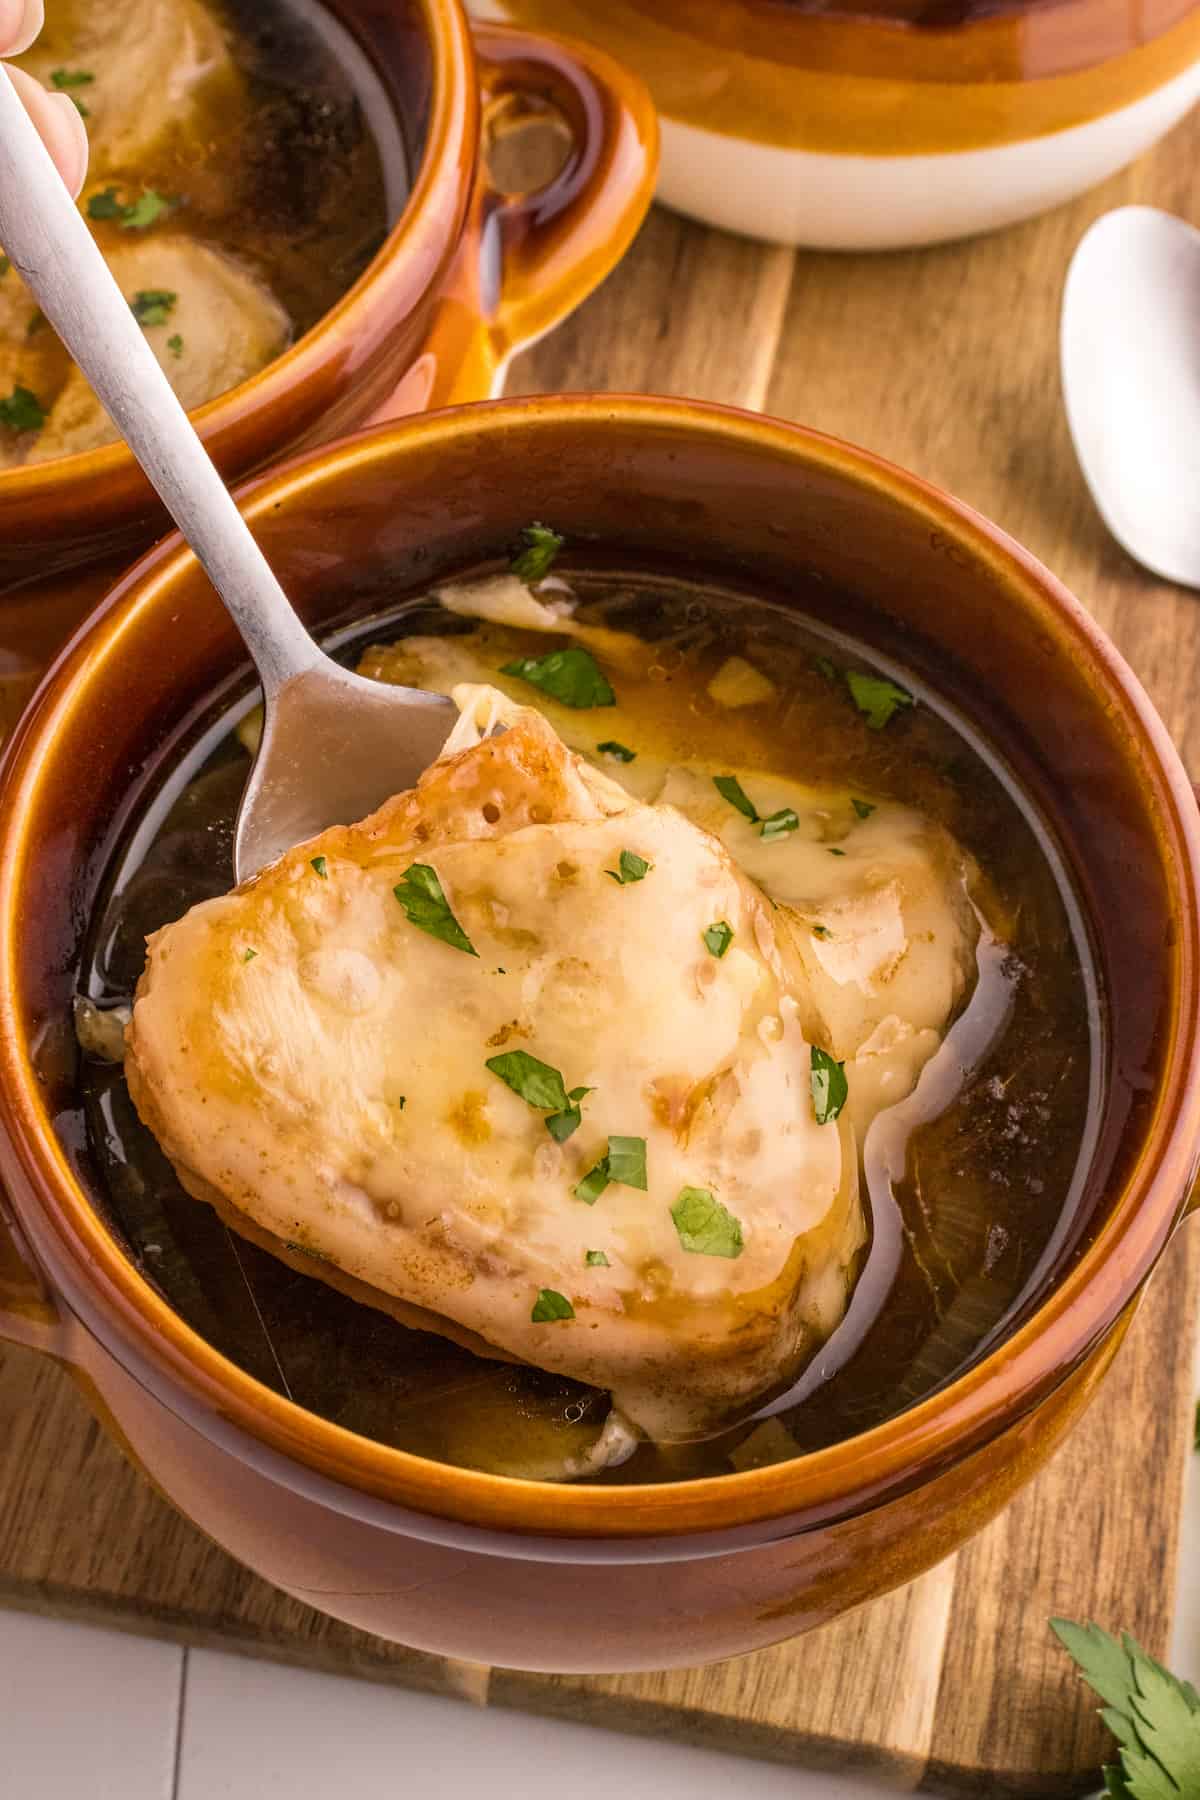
[944, 360]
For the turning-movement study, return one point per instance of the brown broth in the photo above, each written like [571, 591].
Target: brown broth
[294, 172]
[972, 1204]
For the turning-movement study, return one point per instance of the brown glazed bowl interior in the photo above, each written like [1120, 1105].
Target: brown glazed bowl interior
[669, 485]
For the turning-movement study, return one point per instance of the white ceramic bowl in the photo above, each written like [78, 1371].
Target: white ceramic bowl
[873, 132]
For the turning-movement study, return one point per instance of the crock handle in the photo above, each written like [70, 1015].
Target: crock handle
[27, 1313]
[527, 260]
[559, 242]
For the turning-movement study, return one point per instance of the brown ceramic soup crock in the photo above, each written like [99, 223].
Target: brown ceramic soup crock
[466, 277]
[523, 1573]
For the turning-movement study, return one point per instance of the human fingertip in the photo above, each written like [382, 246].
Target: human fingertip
[20, 23]
[70, 145]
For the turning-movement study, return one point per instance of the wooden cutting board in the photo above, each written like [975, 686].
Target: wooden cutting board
[946, 361]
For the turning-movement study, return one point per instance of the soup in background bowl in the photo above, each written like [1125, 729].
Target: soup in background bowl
[296, 200]
[752, 594]
[891, 123]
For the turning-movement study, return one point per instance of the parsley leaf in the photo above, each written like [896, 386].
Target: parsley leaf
[624, 1163]
[539, 550]
[531, 1080]
[824, 667]
[779, 824]
[864, 808]
[619, 752]
[718, 938]
[595, 1259]
[1154, 1717]
[627, 1161]
[550, 1305]
[834, 851]
[541, 1086]
[876, 697]
[730, 788]
[153, 306]
[5, 266]
[37, 321]
[145, 211]
[249, 955]
[572, 676]
[426, 906]
[321, 866]
[829, 1088]
[22, 411]
[821, 931]
[593, 1184]
[705, 1227]
[175, 345]
[631, 868]
[138, 215]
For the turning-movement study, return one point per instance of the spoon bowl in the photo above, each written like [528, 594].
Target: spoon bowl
[1131, 382]
[334, 746]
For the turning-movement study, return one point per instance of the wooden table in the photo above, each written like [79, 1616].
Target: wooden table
[944, 360]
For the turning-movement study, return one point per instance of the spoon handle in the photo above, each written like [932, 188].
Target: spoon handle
[53, 251]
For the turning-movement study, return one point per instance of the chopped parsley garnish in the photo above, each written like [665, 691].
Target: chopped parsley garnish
[175, 345]
[539, 549]
[864, 808]
[619, 752]
[627, 1161]
[550, 1305]
[779, 824]
[593, 1184]
[5, 266]
[22, 411]
[147, 210]
[829, 1089]
[543, 1087]
[876, 697]
[321, 866]
[631, 867]
[718, 938]
[562, 1125]
[624, 1163]
[572, 676]
[824, 667]
[426, 906]
[821, 931]
[137, 215]
[730, 788]
[595, 1259]
[402, 1102]
[153, 306]
[37, 320]
[705, 1227]
[834, 851]
[249, 955]
[105, 205]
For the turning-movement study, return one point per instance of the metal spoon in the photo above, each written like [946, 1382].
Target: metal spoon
[1131, 382]
[334, 745]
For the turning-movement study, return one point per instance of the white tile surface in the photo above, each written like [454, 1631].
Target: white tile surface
[84, 1714]
[251, 1732]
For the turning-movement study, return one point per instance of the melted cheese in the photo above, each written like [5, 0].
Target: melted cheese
[333, 1087]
